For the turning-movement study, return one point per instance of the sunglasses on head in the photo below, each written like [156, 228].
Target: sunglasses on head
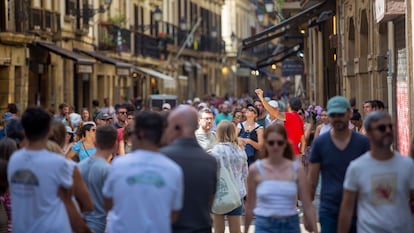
[333, 115]
[278, 142]
[383, 127]
[251, 109]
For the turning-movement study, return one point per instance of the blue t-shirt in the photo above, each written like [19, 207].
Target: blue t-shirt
[83, 153]
[94, 172]
[333, 165]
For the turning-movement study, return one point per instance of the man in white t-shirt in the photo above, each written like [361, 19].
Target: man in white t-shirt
[144, 190]
[40, 181]
[380, 182]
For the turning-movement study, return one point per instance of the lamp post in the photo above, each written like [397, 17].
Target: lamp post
[269, 6]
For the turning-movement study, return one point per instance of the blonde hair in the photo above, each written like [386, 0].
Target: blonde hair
[226, 132]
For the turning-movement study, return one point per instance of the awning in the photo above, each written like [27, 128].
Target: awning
[52, 47]
[105, 59]
[259, 51]
[288, 24]
[154, 73]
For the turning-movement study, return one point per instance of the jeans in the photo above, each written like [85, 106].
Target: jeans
[279, 225]
[329, 223]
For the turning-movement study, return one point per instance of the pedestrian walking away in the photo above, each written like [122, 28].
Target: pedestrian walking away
[200, 171]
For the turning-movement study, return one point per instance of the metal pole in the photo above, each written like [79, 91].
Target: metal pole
[190, 36]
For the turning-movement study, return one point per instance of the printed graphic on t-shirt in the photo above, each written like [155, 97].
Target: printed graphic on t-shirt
[24, 182]
[146, 178]
[383, 188]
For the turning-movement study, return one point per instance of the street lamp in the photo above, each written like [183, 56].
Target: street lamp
[260, 15]
[157, 14]
[183, 24]
[269, 6]
[214, 32]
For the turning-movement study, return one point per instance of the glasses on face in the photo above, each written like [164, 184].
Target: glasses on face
[123, 113]
[383, 127]
[207, 118]
[333, 115]
[278, 142]
[251, 110]
[238, 116]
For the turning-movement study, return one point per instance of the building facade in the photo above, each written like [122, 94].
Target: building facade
[75, 51]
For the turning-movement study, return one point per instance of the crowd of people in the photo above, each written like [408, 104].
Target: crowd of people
[192, 167]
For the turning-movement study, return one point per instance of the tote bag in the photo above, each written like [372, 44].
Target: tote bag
[227, 194]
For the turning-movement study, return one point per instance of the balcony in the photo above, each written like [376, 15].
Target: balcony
[386, 10]
[114, 38]
[200, 42]
[146, 45]
[41, 20]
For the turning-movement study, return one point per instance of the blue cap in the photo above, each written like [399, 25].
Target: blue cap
[338, 104]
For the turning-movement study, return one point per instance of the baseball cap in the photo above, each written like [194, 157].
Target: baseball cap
[338, 104]
[274, 104]
[103, 116]
[166, 106]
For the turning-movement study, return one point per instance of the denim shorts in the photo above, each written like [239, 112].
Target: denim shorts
[273, 225]
[236, 212]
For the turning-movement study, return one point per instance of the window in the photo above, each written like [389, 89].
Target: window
[3, 13]
[70, 7]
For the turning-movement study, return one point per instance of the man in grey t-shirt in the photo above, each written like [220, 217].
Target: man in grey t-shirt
[94, 171]
[205, 136]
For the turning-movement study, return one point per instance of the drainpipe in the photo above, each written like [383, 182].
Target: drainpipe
[391, 57]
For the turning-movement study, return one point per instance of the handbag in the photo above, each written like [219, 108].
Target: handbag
[227, 196]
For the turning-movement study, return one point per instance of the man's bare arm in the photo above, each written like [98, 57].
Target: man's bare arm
[313, 178]
[346, 211]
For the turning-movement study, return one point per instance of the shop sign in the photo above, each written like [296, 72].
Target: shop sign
[292, 67]
[122, 71]
[83, 69]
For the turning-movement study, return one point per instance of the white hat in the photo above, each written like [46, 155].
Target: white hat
[274, 104]
[166, 106]
[69, 130]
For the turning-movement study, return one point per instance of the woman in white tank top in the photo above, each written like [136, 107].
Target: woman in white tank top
[273, 184]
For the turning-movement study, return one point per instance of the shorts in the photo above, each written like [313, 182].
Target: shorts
[236, 212]
[275, 225]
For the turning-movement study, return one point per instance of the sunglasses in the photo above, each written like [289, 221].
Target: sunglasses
[123, 113]
[333, 115]
[383, 127]
[252, 110]
[278, 142]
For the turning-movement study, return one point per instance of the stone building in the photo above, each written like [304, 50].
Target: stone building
[75, 51]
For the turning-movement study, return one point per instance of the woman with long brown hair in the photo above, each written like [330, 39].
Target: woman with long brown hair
[273, 184]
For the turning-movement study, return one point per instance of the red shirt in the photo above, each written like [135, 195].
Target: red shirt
[294, 128]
